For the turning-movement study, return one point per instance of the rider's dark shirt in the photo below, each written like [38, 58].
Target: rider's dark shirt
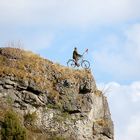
[75, 54]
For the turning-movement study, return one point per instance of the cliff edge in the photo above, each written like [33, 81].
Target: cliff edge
[52, 101]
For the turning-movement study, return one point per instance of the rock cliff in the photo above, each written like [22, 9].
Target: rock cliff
[52, 100]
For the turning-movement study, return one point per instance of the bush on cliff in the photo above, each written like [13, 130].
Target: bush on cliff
[11, 128]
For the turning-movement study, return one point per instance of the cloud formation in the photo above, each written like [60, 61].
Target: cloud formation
[133, 129]
[120, 57]
[68, 13]
[124, 101]
[53, 15]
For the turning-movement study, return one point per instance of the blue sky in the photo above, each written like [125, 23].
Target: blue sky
[110, 29]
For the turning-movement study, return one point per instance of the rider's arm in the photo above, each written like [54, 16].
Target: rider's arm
[79, 55]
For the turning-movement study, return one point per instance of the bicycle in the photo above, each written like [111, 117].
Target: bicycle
[83, 63]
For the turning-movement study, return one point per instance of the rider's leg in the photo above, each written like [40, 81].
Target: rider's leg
[76, 62]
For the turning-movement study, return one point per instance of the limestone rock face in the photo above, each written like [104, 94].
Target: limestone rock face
[64, 102]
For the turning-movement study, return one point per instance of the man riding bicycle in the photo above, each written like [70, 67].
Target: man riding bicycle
[76, 56]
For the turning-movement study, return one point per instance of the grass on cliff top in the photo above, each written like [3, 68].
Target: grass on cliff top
[26, 65]
[26, 61]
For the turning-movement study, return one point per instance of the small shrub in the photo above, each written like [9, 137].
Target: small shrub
[102, 122]
[9, 100]
[98, 92]
[11, 127]
[30, 118]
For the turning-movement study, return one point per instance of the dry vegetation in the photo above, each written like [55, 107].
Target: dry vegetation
[4, 107]
[98, 92]
[28, 66]
[102, 122]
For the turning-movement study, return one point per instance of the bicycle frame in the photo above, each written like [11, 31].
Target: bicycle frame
[80, 59]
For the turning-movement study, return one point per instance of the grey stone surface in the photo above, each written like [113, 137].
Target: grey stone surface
[82, 116]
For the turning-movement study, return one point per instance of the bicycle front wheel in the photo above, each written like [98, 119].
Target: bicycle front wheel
[85, 64]
[71, 63]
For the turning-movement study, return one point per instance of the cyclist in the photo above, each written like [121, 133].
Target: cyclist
[76, 56]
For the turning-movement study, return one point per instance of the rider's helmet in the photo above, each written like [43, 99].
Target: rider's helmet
[75, 48]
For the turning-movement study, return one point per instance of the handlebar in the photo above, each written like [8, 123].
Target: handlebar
[85, 52]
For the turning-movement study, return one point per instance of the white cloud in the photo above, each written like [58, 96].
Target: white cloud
[124, 108]
[133, 129]
[133, 42]
[48, 14]
[68, 12]
[38, 42]
[136, 88]
[120, 57]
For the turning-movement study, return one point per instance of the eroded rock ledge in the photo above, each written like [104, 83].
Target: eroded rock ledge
[63, 101]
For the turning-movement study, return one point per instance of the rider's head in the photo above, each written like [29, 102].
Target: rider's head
[75, 48]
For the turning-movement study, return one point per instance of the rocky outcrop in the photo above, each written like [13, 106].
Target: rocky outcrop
[53, 99]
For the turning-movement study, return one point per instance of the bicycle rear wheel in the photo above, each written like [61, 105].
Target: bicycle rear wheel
[71, 63]
[85, 64]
